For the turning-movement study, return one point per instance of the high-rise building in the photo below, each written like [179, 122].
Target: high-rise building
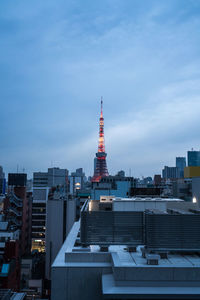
[193, 158]
[2, 181]
[40, 179]
[181, 164]
[170, 172]
[40, 196]
[61, 215]
[100, 166]
[76, 181]
[42, 182]
[18, 207]
[57, 176]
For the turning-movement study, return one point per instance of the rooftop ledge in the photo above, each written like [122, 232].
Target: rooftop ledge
[118, 256]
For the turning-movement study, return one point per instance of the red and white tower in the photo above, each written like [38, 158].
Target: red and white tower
[101, 167]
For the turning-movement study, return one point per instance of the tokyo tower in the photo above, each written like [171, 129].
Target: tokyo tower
[101, 167]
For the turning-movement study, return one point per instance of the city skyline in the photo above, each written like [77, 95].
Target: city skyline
[57, 60]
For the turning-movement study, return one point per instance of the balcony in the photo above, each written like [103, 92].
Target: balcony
[15, 211]
[14, 199]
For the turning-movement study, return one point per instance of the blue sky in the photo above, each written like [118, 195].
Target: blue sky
[57, 58]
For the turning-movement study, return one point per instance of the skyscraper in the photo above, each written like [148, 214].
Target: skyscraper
[2, 181]
[193, 158]
[181, 164]
[101, 166]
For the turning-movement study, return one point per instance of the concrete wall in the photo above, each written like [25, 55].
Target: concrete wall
[54, 231]
[71, 214]
[82, 283]
[60, 218]
[121, 205]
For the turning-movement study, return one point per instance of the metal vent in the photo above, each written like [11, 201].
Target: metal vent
[112, 227]
[177, 231]
[152, 259]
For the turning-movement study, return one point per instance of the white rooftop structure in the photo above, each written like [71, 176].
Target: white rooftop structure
[89, 273]
[141, 204]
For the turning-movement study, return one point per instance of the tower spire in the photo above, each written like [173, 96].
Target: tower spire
[101, 107]
[100, 169]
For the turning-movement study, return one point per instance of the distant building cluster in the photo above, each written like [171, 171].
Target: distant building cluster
[66, 236]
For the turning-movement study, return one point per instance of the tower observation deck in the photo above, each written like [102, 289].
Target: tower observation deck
[101, 166]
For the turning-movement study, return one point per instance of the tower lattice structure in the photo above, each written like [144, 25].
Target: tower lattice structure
[101, 166]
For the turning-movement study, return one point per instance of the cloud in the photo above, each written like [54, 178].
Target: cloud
[57, 59]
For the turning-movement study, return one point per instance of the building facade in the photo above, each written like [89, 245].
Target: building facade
[42, 182]
[181, 164]
[119, 186]
[61, 215]
[193, 158]
[170, 172]
[100, 263]
[76, 181]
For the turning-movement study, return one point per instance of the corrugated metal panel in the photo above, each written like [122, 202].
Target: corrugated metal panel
[108, 227]
[172, 232]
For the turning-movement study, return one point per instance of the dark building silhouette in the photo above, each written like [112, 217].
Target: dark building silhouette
[157, 179]
[18, 209]
[10, 267]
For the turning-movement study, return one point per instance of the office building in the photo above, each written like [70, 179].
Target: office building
[110, 255]
[57, 176]
[170, 172]
[181, 164]
[61, 215]
[42, 182]
[193, 158]
[40, 196]
[76, 181]
[2, 181]
[53, 177]
[40, 179]
[119, 186]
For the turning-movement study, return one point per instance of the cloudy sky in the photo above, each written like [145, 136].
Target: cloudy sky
[57, 58]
